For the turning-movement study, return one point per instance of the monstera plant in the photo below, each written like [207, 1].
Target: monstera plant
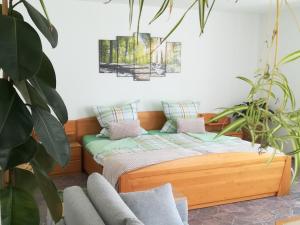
[32, 115]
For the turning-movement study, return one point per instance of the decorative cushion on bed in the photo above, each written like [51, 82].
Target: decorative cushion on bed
[117, 113]
[195, 125]
[107, 201]
[124, 129]
[173, 111]
[156, 206]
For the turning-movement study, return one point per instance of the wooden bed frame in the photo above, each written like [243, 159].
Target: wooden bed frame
[206, 180]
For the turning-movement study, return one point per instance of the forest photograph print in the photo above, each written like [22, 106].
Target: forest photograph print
[139, 56]
[142, 57]
[125, 51]
[173, 57]
[108, 56]
[158, 57]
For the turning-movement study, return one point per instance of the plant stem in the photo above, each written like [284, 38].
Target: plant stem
[5, 7]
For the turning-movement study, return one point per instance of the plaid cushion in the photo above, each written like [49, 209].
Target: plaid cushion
[173, 111]
[117, 113]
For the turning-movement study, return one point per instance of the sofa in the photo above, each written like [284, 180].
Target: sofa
[101, 204]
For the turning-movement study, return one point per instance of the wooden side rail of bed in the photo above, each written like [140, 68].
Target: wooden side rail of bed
[206, 180]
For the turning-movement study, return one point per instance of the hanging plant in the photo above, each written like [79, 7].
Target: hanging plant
[204, 9]
[279, 126]
[272, 127]
[27, 97]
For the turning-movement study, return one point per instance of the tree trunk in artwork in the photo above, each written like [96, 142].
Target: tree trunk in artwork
[111, 51]
[126, 51]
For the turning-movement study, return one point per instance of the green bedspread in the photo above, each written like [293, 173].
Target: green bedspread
[154, 140]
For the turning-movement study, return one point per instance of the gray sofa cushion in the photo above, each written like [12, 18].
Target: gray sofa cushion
[131, 221]
[78, 209]
[107, 201]
[182, 207]
[154, 207]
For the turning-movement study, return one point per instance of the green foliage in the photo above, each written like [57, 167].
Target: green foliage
[18, 207]
[204, 9]
[21, 48]
[27, 97]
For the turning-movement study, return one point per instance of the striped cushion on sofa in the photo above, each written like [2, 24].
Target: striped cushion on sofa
[175, 110]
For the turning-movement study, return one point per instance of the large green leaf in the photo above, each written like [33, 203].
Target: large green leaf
[49, 192]
[15, 119]
[52, 135]
[46, 72]
[31, 95]
[44, 82]
[10, 158]
[24, 180]
[52, 98]
[18, 207]
[42, 159]
[21, 48]
[46, 28]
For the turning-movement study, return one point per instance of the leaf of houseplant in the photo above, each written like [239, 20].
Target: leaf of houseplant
[24, 180]
[53, 99]
[161, 10]
[15, 119]
[290, 57]
[10, 158]
[52, 135]
[42, 159]
[237, 124]
[46, 72]
[30, 95]
[49, 192]
[18, 207]
[46, 28]
[21, 48]
[179, 22]
[227, 112]
[45, 82]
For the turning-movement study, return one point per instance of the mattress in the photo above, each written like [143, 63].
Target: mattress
[155, 140]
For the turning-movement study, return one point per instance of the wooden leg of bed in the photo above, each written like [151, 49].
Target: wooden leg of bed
[285, 184]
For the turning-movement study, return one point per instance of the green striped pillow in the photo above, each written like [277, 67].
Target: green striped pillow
[175, 110]
[117, 113]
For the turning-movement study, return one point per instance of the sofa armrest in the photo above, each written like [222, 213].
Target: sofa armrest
[78, 209]
[182, 207]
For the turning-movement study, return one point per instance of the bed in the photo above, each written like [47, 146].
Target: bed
[206, 180]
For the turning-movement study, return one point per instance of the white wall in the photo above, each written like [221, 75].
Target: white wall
[289, 37]
[210, 63]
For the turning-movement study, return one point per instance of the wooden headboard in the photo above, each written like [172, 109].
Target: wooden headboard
[152, 120]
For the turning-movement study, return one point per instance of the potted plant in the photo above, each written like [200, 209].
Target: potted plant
[27, 97]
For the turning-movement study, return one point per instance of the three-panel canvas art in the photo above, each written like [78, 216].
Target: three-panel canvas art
[140, 57]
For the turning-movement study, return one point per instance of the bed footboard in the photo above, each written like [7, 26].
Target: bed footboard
[217, 178]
